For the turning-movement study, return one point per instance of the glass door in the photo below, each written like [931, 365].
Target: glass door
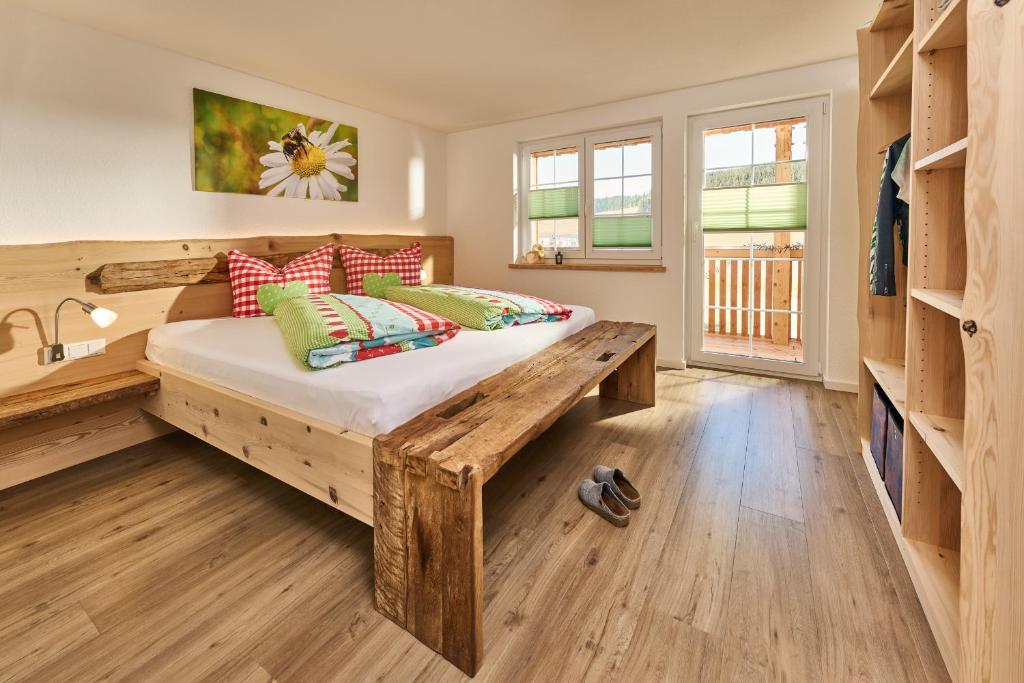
[756, 227]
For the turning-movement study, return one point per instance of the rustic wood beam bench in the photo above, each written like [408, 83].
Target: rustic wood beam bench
[428, 477]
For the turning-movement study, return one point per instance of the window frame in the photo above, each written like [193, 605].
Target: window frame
[652, 131]
[526, 151]
[585, 143]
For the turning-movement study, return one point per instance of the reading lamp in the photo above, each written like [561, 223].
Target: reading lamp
[103, 317]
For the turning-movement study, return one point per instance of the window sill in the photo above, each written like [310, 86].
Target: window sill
[606, 267]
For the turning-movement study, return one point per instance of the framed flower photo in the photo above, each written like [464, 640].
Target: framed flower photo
[251, 148]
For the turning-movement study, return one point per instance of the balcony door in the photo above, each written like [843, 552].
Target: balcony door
[757, 217]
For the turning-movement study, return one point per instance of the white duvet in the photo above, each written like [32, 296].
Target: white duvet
[370, 397]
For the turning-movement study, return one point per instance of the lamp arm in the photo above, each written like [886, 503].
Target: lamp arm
[56, 316]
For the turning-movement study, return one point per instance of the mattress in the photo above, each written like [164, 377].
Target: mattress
[369, 397]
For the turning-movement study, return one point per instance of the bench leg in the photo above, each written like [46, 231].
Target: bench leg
[634, 380]
[428, 561]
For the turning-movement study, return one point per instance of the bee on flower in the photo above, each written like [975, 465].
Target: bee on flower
[305, 165]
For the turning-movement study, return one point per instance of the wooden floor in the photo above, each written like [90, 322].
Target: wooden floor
[760, 553]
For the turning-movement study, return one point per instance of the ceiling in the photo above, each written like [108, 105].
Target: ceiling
[458, 64]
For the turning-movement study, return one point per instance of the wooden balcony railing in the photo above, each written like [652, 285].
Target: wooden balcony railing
[768, 282]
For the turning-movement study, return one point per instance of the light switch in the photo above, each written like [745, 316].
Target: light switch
[76, 350]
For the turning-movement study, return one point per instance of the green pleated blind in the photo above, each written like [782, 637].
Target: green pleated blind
[561, 202]
[622, 231]
[761, 208]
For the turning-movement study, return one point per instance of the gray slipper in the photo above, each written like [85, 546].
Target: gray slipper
[621, 487]
[599, 498]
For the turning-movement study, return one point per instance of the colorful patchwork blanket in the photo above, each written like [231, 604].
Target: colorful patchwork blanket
[480, 309]
[324, 330]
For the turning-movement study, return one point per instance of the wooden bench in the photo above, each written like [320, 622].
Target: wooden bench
[428, 477]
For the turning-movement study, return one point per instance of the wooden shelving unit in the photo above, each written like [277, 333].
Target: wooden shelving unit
[914, 62]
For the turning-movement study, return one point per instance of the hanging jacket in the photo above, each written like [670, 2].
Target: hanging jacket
[892, 211]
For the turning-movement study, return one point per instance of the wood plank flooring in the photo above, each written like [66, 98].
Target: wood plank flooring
[760, 553]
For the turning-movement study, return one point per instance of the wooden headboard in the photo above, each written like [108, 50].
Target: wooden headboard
[34, 278]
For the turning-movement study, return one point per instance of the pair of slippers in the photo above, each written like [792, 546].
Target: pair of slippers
[610, 494]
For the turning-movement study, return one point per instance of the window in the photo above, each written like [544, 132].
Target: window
[553, 200]
[612, 214]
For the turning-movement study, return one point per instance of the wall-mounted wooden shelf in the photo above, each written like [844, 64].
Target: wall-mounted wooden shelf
[949, 30]
[891, 375]
[949, 301]
[893, 13]
[898, 77]
[945, 439]
[43, 403]
[952, 156]
[605, 267]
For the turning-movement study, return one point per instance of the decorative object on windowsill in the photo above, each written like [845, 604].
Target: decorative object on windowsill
[103, 317]
[558, 257]
[535, 255]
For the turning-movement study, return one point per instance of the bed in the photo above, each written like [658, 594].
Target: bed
[370, 397]
[409, 457]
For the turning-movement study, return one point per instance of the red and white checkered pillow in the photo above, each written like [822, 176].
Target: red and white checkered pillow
[408, 263]
[249, 273]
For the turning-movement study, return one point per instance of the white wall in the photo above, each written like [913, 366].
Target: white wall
[480, 207]
[95, 143]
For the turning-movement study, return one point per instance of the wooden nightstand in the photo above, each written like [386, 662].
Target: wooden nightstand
[43, 403]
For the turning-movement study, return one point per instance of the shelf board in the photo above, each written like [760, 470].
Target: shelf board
[44, 403]
[949, 301]
[893, 13]
[945, 439]
[949, 30]
[891, 375]
[898, 76]
[934, 571]
[953, 156]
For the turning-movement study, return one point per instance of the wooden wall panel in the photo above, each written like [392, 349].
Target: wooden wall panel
[992, 541]
[34, 278]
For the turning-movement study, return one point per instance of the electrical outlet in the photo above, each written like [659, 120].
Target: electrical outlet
[76, 351]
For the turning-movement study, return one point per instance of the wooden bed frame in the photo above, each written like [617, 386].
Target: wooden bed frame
[419, 486]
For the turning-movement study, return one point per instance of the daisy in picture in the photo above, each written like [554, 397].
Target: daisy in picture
[303, 165]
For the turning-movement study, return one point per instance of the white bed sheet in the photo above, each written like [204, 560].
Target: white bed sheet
[370, 397]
